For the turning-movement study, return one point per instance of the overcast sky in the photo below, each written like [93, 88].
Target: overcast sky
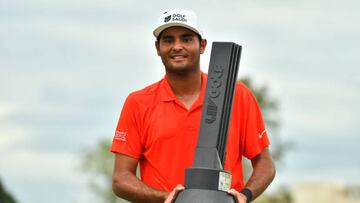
[66, 67]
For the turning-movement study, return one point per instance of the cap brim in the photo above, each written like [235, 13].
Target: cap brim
[161, 28]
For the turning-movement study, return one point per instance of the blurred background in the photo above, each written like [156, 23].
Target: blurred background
[66, 67]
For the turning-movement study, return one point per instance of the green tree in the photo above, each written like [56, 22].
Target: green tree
[270, 109]
[5, 197]
[99, 163]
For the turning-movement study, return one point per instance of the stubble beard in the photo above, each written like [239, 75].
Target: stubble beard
[184, 70]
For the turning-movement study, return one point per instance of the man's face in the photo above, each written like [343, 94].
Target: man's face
[180, 49]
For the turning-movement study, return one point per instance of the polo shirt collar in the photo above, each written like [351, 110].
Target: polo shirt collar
[166, 93]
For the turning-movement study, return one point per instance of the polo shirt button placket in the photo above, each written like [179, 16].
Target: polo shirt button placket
[190, 125]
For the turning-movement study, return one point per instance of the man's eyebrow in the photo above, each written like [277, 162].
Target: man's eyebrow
[188, 35]
[167, 37]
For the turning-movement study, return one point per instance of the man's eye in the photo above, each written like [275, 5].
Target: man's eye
[167, 40]
[187, 39]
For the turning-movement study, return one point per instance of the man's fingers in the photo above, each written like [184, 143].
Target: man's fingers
[234, 193]
[172, 196]
[177, 189]
[240, 198]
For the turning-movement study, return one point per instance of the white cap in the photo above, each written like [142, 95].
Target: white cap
[177, 17]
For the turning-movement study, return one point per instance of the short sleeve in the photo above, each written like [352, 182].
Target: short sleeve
[127, 138]
[255, 137]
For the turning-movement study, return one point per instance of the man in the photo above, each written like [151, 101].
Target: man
[158, 125]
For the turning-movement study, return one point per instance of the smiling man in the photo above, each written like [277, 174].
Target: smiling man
[180, 49]
[158, 125]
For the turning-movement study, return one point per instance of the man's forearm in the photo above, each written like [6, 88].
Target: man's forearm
[127, 186]
[262, 175]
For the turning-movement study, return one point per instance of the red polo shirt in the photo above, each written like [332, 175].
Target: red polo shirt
[156, 128]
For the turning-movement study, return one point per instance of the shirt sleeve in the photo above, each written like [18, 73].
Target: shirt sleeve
[255, 137]
[127, 138]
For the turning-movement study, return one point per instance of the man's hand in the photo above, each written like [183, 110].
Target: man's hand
[239, 197]
[172, 196]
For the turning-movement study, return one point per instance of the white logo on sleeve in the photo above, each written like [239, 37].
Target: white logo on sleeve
[260, 135]
[120, 136]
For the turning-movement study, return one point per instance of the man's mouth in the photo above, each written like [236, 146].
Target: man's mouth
[178, 57]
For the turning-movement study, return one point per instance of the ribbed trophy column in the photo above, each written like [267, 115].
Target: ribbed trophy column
[206, 181]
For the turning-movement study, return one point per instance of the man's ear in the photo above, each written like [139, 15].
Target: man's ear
[203, 44]
[157, 47]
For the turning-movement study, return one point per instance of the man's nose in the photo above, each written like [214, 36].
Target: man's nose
[178, 45]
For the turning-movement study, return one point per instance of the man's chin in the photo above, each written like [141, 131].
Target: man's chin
[179, 70]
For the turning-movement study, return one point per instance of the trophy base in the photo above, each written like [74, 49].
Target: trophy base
[204, 196]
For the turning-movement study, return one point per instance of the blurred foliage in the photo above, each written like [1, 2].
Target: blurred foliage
[270, 110]
[281, 196]
[99, 161]
[5, 197]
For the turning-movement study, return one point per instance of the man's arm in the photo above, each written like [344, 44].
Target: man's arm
[263, 173]
[126, 185]
[261, 177]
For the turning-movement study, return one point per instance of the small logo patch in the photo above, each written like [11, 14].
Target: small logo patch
[224, 181]
[120, 136]
[167, 19]
[260, 135]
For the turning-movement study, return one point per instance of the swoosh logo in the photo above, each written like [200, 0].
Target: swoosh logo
[260, 135]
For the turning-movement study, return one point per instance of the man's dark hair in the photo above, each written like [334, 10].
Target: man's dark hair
[159, 36]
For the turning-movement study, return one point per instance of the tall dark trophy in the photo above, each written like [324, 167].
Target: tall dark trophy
[207, 181]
